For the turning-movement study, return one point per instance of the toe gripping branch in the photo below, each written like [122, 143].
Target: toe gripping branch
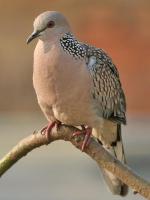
[85, 131]
[47, 129]
[87, 136]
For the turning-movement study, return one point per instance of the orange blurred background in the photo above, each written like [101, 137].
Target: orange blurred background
[121, 28]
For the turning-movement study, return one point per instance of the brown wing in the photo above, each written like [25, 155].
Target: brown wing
[107, 89]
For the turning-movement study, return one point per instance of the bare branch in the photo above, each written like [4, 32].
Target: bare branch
[94, 150]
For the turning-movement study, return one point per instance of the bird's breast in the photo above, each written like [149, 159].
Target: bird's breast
[63, 83]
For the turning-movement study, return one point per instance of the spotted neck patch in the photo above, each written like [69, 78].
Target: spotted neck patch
[71, 45]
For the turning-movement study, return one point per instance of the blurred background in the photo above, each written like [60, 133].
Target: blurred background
[59, 171]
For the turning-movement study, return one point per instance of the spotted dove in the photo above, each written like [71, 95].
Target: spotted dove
[77, 84]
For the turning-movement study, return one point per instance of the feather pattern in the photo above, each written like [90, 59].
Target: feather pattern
[107, 90]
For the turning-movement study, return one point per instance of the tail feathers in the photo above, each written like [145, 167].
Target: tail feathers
[116, 149]
[114, 184]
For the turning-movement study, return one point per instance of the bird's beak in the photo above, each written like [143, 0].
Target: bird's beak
[33, 36]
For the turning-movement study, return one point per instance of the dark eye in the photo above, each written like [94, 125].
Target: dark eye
[51, 24]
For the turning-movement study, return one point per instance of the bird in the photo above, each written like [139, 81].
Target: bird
[78, 84]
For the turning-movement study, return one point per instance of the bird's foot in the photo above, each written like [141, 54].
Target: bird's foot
[47, 129]
[87, 132]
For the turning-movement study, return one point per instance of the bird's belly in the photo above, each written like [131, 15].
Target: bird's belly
[70, 104]
[73, 111]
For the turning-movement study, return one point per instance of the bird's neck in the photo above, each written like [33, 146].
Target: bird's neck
[72, 46]
[68, 43]
[50, 41]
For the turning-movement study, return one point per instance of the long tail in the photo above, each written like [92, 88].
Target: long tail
[112, 142]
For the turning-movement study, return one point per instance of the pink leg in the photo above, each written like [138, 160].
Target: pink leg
[47, 129]
[87, 131]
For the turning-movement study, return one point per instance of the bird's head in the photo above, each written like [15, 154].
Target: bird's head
[49, 25]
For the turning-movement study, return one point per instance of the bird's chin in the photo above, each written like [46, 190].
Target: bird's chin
[42, 36]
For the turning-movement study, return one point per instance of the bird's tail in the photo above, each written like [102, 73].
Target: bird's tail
[112, 142]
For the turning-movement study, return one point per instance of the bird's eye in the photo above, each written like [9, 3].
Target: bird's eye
[51, 24]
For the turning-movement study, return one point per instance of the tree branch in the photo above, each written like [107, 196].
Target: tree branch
[94, 150]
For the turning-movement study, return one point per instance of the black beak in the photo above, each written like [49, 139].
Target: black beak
[32, 36]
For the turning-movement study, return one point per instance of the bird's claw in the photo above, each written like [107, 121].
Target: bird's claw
[47, 129]
[87, 132]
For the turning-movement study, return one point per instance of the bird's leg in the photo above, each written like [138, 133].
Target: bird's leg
[47, 129]
[87, 132]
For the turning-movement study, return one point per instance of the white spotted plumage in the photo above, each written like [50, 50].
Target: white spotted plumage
[72, 46]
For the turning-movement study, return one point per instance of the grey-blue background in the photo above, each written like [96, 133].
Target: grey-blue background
[59, 171]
